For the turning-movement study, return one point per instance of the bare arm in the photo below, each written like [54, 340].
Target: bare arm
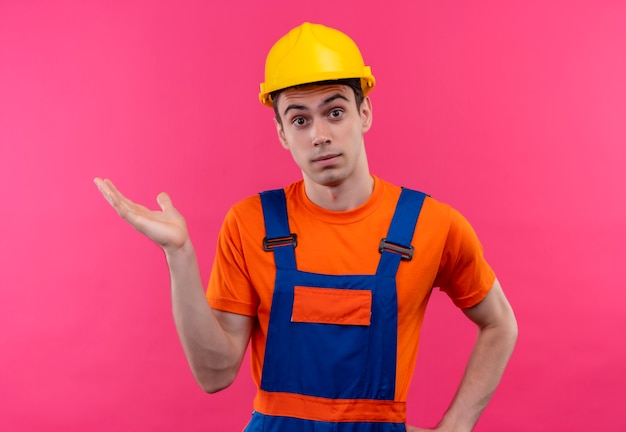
[497, 334]
[214, 342]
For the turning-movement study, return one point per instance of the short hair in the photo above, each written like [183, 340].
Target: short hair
[353, 83]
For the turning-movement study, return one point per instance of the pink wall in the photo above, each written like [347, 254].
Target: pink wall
[513, 112]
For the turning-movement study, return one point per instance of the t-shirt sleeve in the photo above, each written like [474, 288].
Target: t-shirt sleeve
[464, 274]
[230, 288]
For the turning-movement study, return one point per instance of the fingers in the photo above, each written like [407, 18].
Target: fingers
[126, 208]
[108, 190]
[104, 189]
[164, 201]
[167, 227]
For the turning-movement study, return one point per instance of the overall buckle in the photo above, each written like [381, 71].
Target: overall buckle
[270, 243]
[406, 253]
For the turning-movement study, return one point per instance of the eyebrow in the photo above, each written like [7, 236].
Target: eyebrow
[325, 102]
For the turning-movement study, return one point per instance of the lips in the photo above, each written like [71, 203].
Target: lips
[326, 157]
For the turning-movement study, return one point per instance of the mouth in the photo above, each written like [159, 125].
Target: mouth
[326, 157]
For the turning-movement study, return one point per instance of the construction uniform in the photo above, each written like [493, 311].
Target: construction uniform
[334, 351]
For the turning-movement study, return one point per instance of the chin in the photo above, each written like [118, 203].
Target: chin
[331, 181]
[330, 177]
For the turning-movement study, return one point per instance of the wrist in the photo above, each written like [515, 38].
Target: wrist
[451, 424]
[178, 253]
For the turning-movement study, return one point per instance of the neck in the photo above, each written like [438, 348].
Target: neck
[343, 196]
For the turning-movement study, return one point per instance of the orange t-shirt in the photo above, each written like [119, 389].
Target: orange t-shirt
[447, 255]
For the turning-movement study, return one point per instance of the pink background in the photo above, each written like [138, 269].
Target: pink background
[513, 111]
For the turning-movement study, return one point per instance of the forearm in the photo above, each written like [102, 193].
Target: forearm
[214, 342]
[497, 334]
[212, 355]
[484, 371]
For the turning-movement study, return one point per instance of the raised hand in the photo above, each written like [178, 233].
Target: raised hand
[167, 227]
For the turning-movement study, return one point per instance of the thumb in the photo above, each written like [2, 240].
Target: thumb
[164, 201]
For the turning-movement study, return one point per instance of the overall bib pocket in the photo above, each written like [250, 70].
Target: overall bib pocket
[332, 306]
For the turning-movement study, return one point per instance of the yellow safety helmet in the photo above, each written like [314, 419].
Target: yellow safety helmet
[312, 53]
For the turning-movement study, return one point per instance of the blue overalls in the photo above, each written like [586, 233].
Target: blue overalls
[339, 378]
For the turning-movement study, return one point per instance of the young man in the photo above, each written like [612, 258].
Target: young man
[328, 278]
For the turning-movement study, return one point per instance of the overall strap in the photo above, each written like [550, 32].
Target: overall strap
[397, 245]
[278, 237]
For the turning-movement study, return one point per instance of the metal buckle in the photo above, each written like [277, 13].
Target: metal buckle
[406, 253]
[270, 243]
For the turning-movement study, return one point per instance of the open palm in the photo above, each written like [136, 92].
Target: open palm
[167, 227]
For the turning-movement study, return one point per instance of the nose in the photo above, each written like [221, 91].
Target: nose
[320, 133]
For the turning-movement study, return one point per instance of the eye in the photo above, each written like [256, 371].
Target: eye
[335, 113]
[298, 121]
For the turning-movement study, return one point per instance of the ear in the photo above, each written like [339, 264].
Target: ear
[366, 114]
[281, 134]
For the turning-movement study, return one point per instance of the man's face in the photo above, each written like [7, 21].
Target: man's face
[323, 129]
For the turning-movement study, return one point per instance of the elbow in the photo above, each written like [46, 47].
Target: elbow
[515, 328]
[510, 331]
[514, 331]
[211, 388]
[512, 325]
[215, 381]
